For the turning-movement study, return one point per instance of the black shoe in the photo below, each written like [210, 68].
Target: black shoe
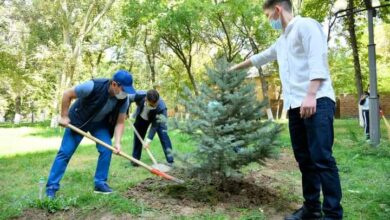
[51, 194]
[134, 164]
[304, 214]
[103, 189]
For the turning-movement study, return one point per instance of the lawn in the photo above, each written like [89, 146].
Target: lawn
[364, 171]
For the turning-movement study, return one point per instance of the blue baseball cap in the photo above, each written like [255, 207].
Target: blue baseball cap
[124, 79]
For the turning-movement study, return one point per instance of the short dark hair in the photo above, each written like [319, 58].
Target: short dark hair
[152, 95]
[286, 4]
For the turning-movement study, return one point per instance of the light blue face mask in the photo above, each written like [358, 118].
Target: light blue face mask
[276, 24]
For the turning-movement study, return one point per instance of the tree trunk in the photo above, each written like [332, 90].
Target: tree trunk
[18, 104]
[264, 89]
[192, 79]
[353, 42]
[151, 61]
[151, 58]
[264, 85]
[278, 101]
[32, 111]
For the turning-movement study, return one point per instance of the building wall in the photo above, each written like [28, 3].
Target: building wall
[347, 105]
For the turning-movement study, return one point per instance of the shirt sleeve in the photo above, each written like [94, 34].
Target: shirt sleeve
[83, 90]
[131, 98]
[264, 57]
[316, 48]
[124, 106]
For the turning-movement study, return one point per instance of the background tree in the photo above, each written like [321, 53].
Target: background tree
[179, 28]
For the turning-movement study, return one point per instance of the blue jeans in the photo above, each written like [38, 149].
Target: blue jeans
[312, 141]
[162, 131]
[69, 144]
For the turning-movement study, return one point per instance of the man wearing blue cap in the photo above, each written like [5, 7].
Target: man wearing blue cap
[100, 108]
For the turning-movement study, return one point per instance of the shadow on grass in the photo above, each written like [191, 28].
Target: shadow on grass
[42, 124]
[47, 132]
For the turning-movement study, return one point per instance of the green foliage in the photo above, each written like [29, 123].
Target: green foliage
[52, 206]
[363, 172]
[226, 122]
[316, 9]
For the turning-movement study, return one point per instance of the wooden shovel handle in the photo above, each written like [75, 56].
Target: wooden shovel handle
[132, 159]
[89, 136]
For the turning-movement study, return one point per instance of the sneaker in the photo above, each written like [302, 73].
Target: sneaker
[103, 189]
[51, 194]
[134, 164]
[303, 213]
[171, 165]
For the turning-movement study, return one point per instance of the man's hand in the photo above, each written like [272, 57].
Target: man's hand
[146, 145]
[308, 107]
[117, 148]
[64, 121]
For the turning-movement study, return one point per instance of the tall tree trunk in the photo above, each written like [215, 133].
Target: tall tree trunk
[278, 103]
[151, 63]
[32, 111]
[264, 84]
[264, 89]
[353, 42]
[18, 104]
[151, 58]
[192, 79]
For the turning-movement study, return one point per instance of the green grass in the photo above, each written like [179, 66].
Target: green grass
[364, 171]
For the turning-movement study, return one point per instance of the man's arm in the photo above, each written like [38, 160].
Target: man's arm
[315, 46]
[79, 91]
[257, 60]
[243, 65]
[67, 98]
[119, 128]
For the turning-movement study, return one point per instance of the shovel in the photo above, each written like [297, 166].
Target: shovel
[159, 166]
[120, 153]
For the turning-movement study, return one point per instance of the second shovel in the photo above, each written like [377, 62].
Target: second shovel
[159, 166]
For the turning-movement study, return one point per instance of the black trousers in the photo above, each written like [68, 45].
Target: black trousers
[366, 118]
[312, 141]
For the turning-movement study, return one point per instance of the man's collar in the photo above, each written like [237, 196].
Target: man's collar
[291, 24]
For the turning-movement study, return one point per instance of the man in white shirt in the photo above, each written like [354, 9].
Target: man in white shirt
[301, 52]
[365, 105]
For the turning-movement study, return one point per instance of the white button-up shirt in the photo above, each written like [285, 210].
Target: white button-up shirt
[302, 55]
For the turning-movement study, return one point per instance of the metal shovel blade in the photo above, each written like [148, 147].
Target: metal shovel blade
[162, 167]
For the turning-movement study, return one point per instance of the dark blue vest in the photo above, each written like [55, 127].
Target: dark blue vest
[85, 109]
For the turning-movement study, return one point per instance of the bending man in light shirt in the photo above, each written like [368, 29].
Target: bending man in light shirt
[301, 52]
[149, 107]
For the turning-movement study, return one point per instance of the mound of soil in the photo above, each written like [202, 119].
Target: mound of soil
[256, 191]
[259, 191]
